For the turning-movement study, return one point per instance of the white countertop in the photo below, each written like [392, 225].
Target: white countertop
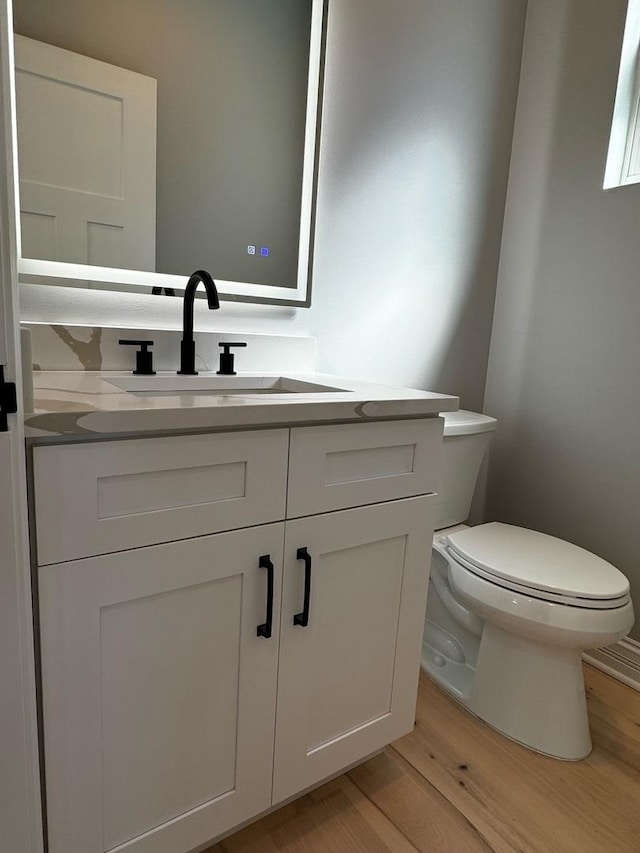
[85, 404]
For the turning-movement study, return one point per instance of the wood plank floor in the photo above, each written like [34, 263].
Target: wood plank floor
[455, 786]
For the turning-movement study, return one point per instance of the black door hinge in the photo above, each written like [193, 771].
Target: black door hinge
[8, 400]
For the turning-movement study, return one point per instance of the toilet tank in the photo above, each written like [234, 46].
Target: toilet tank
[466, 438]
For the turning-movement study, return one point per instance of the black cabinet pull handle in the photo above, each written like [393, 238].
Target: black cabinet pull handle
[302, 619]
[265, 629]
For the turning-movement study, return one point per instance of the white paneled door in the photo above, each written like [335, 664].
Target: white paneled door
[20, 811]
[87, 155]
[353, 604]
[159, 691]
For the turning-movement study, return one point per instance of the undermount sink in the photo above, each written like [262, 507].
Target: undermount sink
[213, 385]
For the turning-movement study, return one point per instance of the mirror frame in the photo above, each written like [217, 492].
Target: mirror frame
[34, 271]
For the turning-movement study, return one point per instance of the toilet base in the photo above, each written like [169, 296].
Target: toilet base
[453, 676]
[529, 691]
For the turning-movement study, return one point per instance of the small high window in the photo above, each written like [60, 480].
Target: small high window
[623, 158]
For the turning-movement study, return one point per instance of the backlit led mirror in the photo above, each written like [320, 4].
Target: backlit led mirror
[155, 138]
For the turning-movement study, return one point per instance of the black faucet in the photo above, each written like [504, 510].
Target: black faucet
[187, 344]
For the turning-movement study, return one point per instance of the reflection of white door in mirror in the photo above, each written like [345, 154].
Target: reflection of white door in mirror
[87, 149]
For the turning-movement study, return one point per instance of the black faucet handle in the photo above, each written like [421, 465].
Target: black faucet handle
[144, 356]
[226, 357]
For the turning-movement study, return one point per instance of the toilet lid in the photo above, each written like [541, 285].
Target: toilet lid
[538, 562]
[467, 423]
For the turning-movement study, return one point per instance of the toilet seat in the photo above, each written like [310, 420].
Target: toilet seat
[538, 565]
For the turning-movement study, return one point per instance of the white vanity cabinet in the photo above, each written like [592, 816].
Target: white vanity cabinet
[169, 717]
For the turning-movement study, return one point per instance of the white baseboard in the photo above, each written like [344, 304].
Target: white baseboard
[621, 660]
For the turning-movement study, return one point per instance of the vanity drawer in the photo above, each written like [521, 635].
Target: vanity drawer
[335, 467]
[110, 496]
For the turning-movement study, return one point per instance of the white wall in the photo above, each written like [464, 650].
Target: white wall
[418, 120]
[564, 370]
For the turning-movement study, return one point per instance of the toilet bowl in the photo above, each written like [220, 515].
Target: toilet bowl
[510, 612]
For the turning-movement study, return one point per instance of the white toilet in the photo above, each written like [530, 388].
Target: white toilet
[510, 611]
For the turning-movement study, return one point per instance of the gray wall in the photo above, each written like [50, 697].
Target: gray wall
[419, 105]
[564, 370]
[232, 87]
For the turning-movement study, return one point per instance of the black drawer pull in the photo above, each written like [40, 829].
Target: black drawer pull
[265, 629]
[302, 619]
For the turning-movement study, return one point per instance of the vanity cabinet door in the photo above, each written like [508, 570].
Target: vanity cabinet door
[158, 693]
[347, 680]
